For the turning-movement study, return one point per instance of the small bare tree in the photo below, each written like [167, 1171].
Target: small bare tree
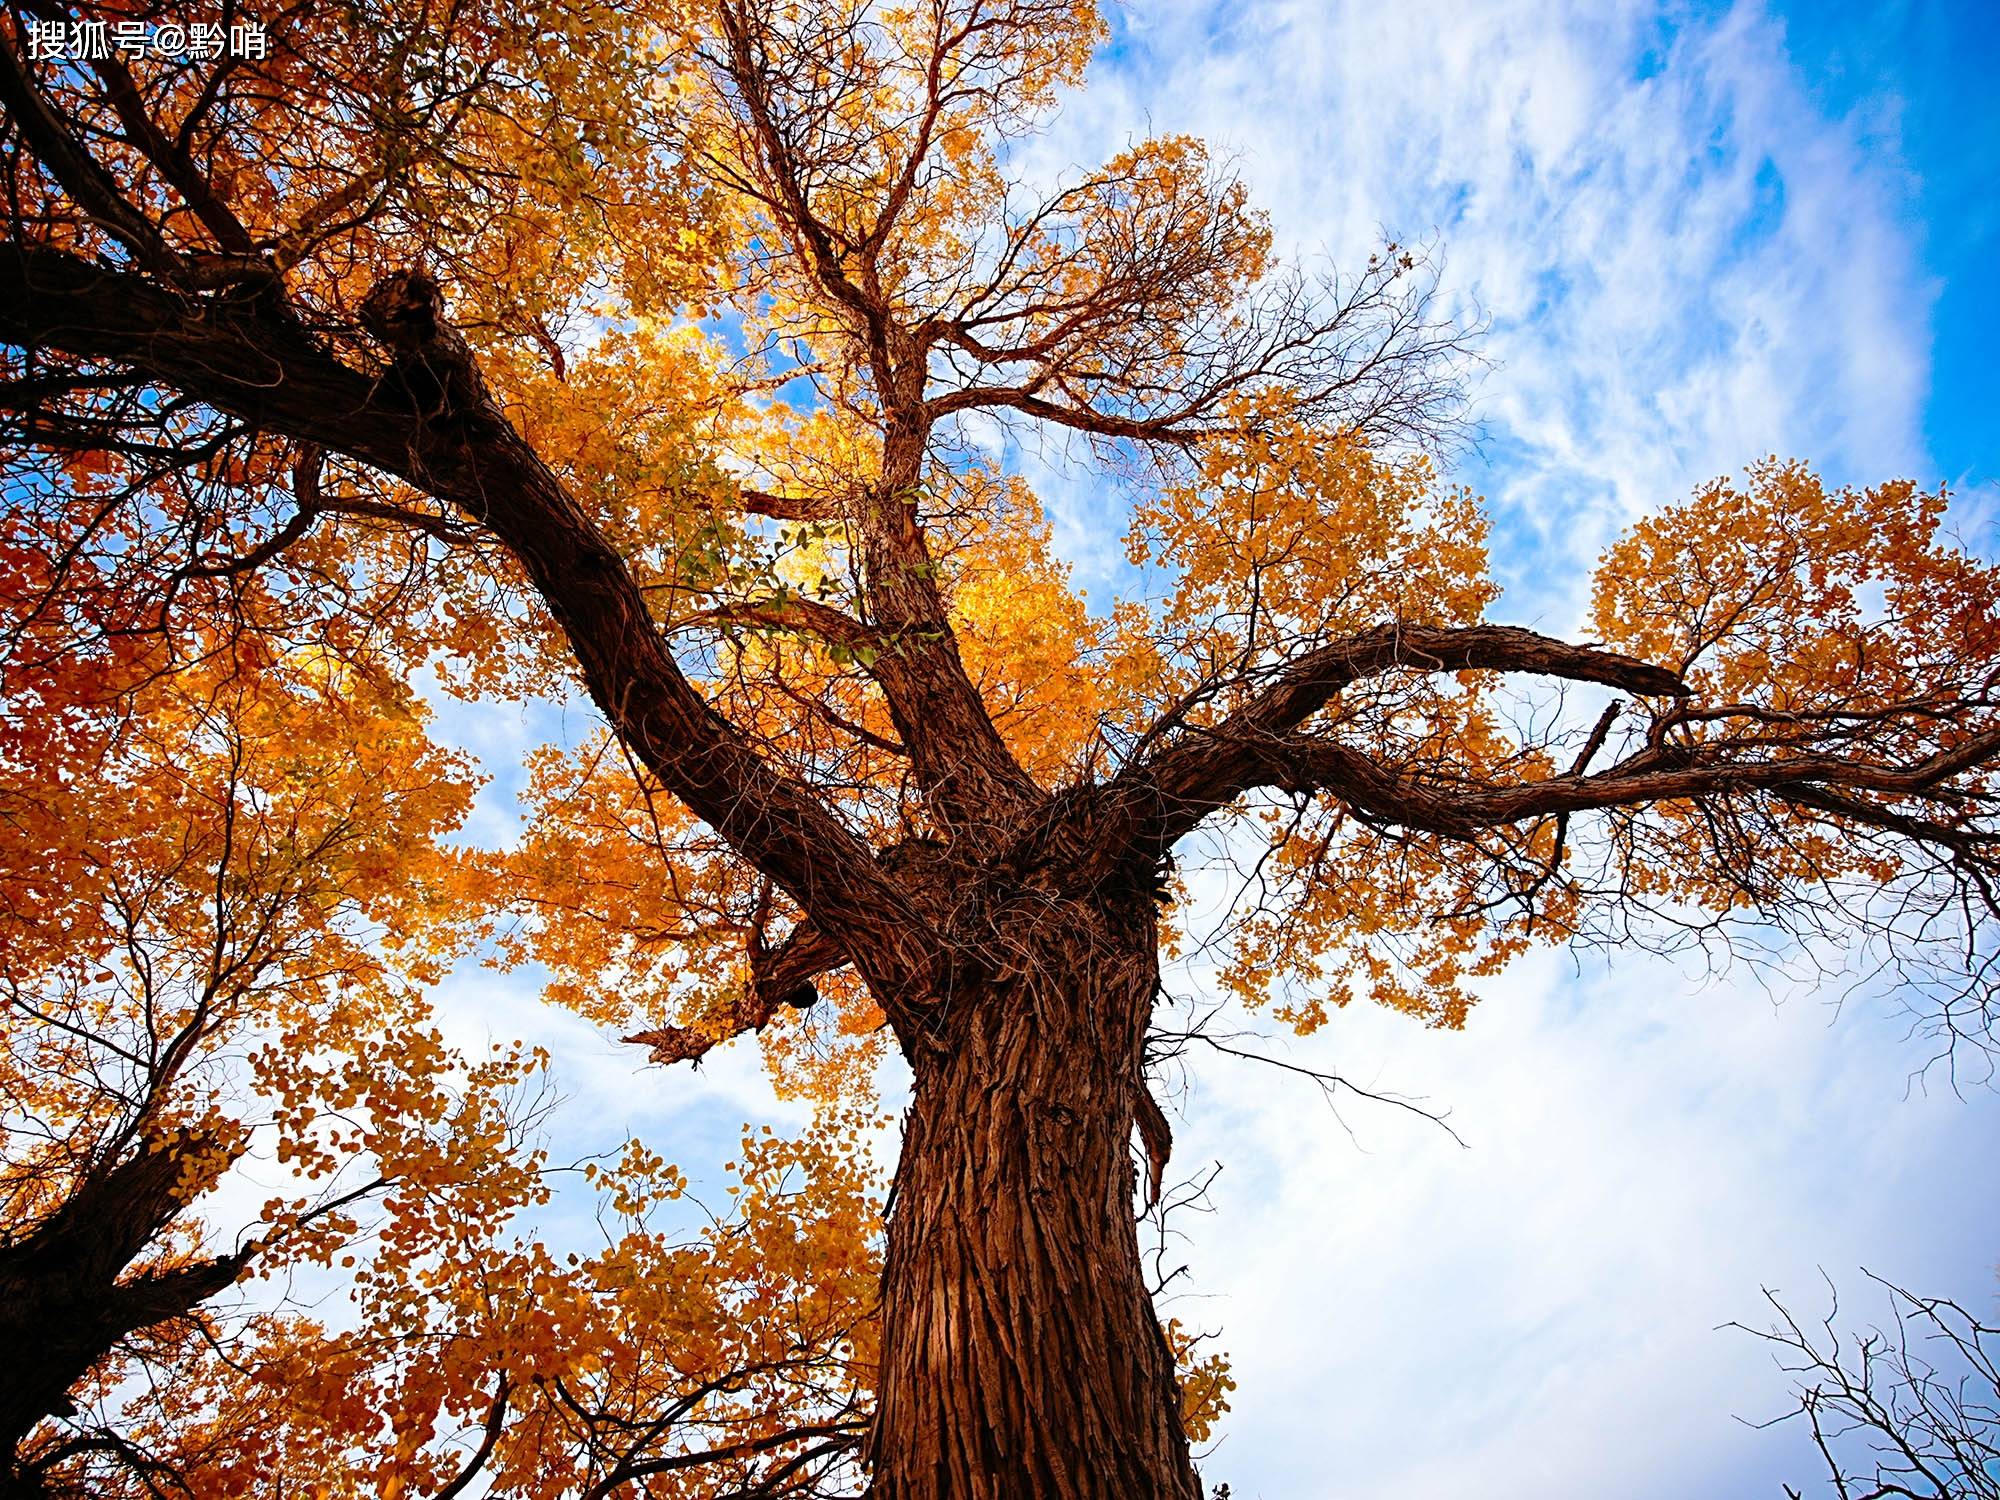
[1910, 1410]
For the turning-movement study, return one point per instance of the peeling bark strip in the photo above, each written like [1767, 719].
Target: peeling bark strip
[784, 978]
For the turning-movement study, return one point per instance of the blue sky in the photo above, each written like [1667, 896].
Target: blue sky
[1926, 72]
[1701, 234]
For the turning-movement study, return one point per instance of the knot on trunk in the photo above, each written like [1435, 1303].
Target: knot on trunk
[405, 309]
[429, 360]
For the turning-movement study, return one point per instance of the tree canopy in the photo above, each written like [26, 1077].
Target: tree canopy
[653, 355]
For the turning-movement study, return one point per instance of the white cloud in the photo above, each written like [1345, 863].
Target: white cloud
[1534, 1314]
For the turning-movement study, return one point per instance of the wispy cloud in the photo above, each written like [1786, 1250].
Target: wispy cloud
[1684, 265]
[1535, 1314]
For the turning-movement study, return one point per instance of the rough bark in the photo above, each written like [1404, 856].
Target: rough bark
[1021, 1353]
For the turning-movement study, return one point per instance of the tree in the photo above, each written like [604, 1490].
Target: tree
[649, 352]
[1913, 1410]
[227, 893]
[222, 879]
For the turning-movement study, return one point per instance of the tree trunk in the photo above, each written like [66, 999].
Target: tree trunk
[1021, 1356]
[63, 1304]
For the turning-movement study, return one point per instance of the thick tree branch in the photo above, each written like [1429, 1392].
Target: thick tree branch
[489, 1439]
[65, 1295]
[429, 420]
[957, 754]
[794, 612]
[778, 507]
[1204, 767]
[1314, 765]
